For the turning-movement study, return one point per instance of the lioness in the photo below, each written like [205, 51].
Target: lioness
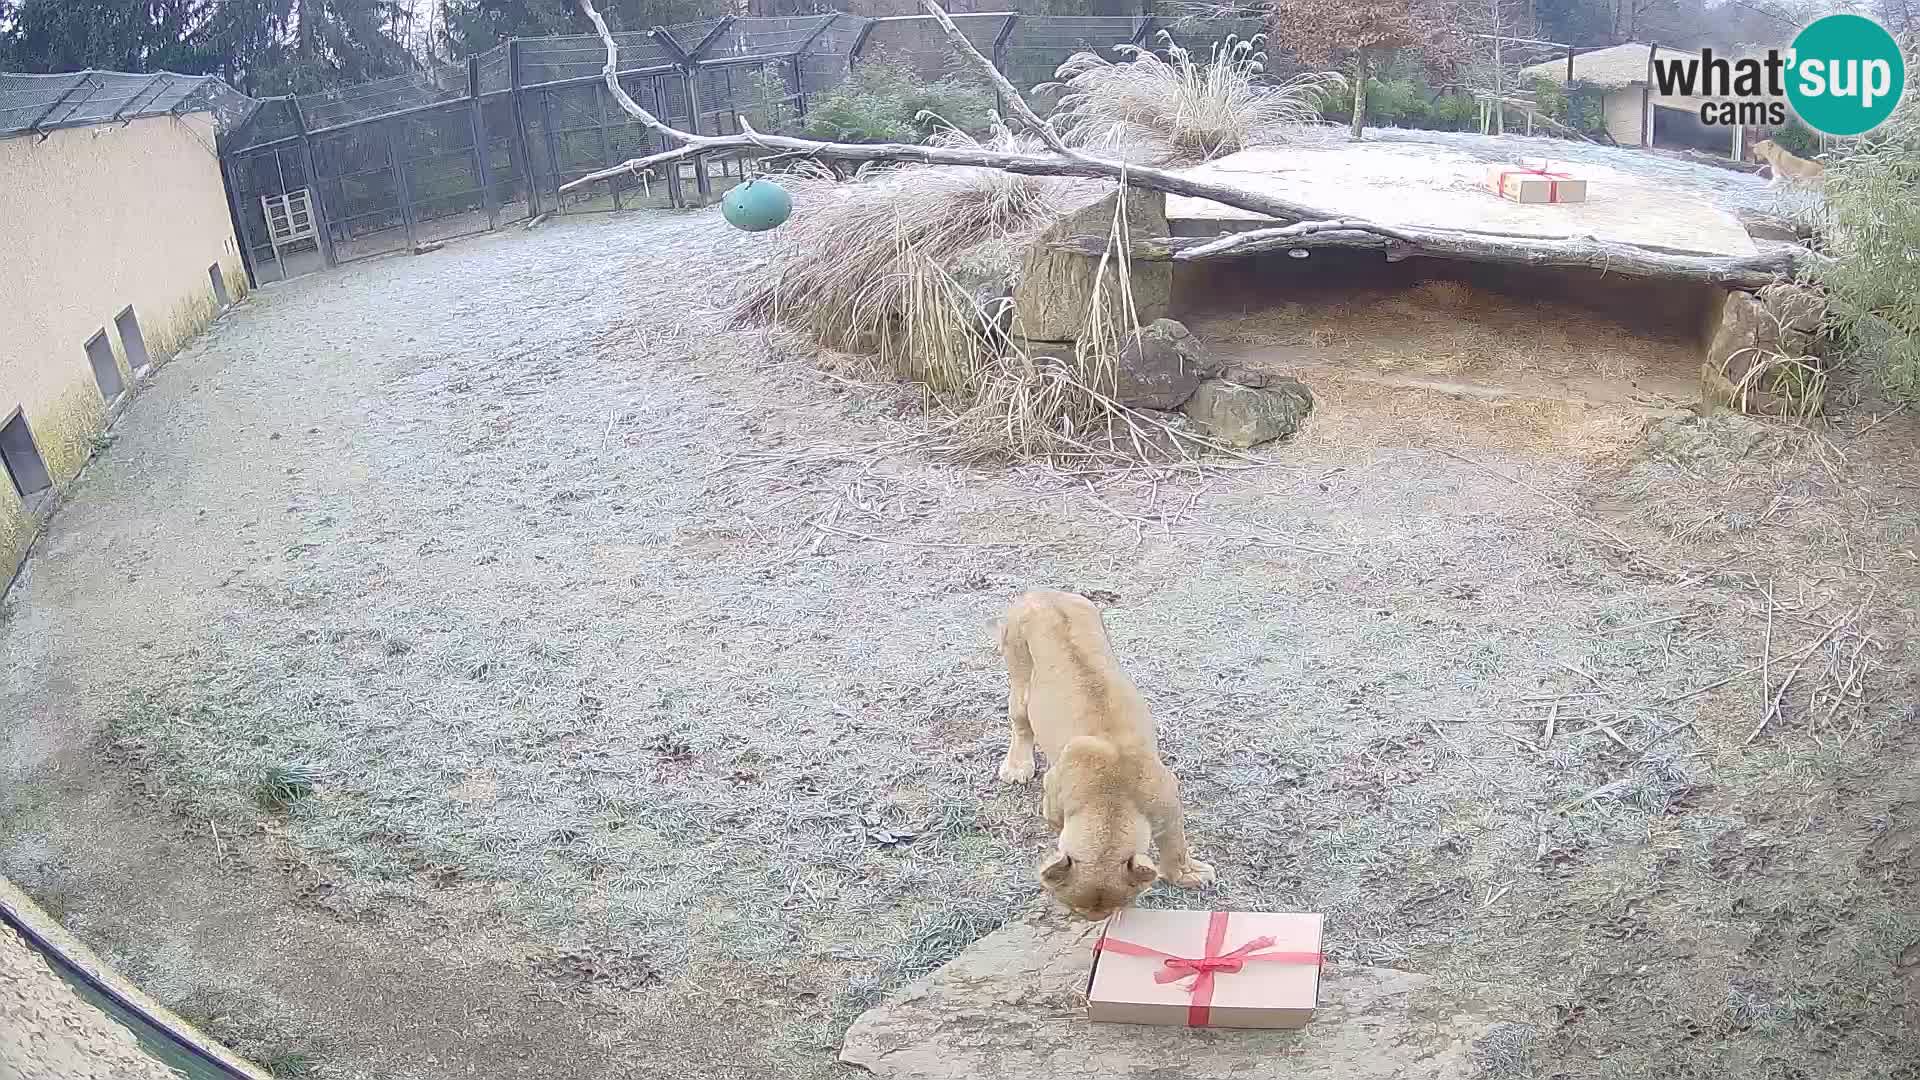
[1106, 792]
[1786, 165]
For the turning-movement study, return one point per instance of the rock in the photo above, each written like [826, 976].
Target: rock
[1740, 333]
[1782, 320]
[1013, 1007]
[1798, 312]
[1054, 293]
[1718, 391]
[1059, 350]
[1244, 416]
[1162, 367]
[1768, 227]
[1259, 378]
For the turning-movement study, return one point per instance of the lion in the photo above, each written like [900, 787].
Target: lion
[1106, 792]
[1786, 165]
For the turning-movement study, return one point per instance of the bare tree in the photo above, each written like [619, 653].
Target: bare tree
[1319, 30]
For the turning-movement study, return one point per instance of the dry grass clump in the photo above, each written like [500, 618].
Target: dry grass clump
[1187, 109]
[892, 268]
[866, 267]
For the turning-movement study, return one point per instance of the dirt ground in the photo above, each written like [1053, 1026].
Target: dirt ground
[484, 663]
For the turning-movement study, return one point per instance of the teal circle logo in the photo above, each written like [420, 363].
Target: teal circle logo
[1847, 75]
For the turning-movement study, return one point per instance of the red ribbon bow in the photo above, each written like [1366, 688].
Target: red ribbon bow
[1553, 178]
[1201, 969]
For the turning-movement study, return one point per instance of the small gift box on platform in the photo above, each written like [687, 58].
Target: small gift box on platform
[1238, 969]
[1536, 182]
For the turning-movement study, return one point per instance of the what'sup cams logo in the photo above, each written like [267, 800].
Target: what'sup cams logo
[1843, 76]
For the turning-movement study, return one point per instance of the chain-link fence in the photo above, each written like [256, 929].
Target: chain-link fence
[38, 104]
[401, 163]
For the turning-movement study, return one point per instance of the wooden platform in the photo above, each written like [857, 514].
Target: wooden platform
[1396, 183]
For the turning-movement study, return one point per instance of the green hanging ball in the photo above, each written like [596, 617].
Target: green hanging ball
[756, 205]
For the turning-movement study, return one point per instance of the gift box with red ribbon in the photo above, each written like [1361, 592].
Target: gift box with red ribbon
[1536, 182]
[1239, 969]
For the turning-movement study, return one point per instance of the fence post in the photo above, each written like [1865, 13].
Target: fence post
[1646, 100]
[317, 201]
[1569, 71]
[400, 184]
[859, 43]
[232, 183]
[690, 76]
[519, 140]
[482, 152]
[696, 60]
[606, 150]
[1000, 58]
[553, 154]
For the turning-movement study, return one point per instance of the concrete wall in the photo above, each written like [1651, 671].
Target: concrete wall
[1622, 113]
[91, 220]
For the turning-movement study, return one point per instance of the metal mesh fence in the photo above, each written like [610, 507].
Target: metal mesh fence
[402, 162]
[41, 103]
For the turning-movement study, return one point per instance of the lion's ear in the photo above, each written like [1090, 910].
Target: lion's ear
[1141, 871]
[1056, 869]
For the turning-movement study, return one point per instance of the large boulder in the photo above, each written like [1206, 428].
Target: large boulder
[1754, 331]
[1795, 316]
[1054, 295]
[1013, 1007]
[1739, 335]
[1244, 416]
[1161, 368]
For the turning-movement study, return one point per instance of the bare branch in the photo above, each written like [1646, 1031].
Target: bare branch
[1296, 225]
[1015, 101]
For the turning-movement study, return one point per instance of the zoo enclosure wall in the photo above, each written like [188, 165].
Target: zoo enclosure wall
[400, 163]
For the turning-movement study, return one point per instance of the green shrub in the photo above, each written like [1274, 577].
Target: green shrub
[770, 108]
[882, 101]
[1397, 103]
[1456, 112]
[1873, 283]
[1550, 98]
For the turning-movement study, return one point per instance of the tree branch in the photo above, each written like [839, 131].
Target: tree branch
[1016, 102]
[1563, 252]
[1300, 226]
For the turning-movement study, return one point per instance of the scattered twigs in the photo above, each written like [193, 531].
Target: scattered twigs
[1774, 706]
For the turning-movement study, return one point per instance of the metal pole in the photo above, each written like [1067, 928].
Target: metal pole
[277, 260]
[85, 83]
[859, 43]
[1569, 70]
[675, 197]
[317, 203]
[519, 140]
[1646, 100]
[701, 183]
[1000, 58]
[400, 182]
[606, 149]
[482, 153]
[553, 155]
[239, 224]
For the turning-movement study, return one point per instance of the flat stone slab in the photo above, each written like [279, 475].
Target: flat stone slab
[1395, 183]
[1013, 1007]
